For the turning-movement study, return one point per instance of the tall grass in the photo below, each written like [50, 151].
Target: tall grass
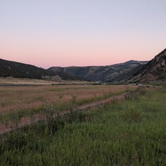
[131, 132]
[22, 98]
[17, 114]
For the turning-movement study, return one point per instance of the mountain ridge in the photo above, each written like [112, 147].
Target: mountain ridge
[155, 69]
[108, 73]
[22, 70]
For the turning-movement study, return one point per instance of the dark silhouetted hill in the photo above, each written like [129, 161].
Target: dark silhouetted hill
[21, 70]
[153, 70]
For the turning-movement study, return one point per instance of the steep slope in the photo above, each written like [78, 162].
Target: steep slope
[153, 70]
[112, 73]
[20, 70]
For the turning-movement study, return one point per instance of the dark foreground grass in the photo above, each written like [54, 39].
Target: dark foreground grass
[131, 132]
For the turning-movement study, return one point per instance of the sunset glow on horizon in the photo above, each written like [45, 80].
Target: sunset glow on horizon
[81, 33]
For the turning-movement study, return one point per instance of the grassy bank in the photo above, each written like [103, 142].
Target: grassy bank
[130, 132]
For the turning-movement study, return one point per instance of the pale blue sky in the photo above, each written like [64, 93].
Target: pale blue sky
[81, 32]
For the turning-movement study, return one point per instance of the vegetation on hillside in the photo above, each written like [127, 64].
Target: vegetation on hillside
[21, 70]
[111, 73]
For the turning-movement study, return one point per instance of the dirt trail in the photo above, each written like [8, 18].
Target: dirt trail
[25, 121]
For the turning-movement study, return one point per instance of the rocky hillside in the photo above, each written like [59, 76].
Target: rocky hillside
[112, 73]
[153, 70]
[20, 70]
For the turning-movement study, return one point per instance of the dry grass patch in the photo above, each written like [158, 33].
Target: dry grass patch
[31, 97]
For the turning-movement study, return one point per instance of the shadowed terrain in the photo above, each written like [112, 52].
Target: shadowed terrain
[21, 70]
[154, 70]
[112, 73]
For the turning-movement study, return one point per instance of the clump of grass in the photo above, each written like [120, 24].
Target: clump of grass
[135, 94]
[54, 125]
[16, 115]
[60, 96]
[132, 115]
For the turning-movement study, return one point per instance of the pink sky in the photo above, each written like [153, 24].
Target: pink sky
[81, 33]
[44, 51]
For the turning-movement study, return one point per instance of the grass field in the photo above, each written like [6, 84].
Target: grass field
[128, 132]
[28, 81]
[29, 100]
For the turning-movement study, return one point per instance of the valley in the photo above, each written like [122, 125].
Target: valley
[73, 121]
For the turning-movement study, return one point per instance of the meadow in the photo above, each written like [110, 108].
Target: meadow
[127, 132]
[28, 100]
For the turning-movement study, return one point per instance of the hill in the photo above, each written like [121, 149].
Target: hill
[111, 73]
[153, 70]
[21, 70]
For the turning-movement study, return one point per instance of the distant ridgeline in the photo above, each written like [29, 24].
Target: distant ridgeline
[20, 70]
[112, 73]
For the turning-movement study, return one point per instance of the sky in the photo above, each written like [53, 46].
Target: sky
[49, 33]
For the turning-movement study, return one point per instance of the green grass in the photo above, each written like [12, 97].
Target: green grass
[16, 115]
[130, 132]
